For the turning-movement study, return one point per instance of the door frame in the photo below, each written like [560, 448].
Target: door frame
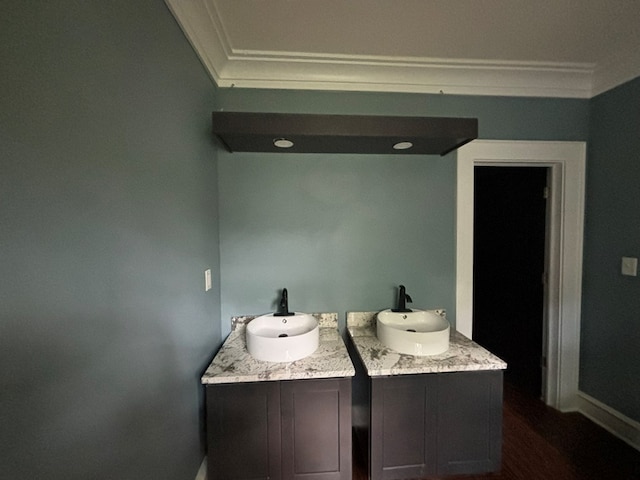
[567, 164]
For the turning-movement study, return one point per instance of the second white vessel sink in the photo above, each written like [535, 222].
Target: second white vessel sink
[272, 338]
[418, 332]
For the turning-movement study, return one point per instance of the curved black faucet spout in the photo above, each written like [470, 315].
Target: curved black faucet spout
[283, 306]
[403, 298]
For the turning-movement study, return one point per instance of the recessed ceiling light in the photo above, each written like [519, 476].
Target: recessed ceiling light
[282, 143]
[402, 145]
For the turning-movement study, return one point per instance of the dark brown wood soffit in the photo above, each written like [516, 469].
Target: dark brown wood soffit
[370, 134]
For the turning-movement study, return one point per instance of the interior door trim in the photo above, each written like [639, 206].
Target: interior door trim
[567, 163]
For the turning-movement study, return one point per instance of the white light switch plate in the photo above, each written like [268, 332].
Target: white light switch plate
[630, 266]
[207, 280]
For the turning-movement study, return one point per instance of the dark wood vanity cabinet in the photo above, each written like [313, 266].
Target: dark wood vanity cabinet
[434, 424]
[290, 429]
[469, 422]
[243, 430]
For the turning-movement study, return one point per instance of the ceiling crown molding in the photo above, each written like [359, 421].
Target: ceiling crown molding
[289, 70]
[414, 75]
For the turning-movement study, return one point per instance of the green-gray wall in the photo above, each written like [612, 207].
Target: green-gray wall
[109, 215]
[610, 365]
[342, 231]
[107, 221]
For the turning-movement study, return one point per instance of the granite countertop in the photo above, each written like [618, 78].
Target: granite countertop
[463, 354]
[234, 364]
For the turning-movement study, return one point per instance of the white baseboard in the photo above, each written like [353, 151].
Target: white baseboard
[611, 420]
[202, 472]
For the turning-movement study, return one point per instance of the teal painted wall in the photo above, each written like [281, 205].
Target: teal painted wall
[610, 367]
[107, 221]
[342, 231]
[109, 214]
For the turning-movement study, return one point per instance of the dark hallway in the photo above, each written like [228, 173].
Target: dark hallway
[509, 262]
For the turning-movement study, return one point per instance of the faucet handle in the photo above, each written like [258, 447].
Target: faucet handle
[408, 298]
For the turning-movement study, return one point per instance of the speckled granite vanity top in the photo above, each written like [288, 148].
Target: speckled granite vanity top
[463, 354]
[234, 364]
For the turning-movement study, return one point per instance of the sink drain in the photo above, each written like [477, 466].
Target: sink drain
[411, 330]
[283, 335]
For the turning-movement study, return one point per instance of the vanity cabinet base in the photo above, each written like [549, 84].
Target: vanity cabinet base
[434, 424]
[293, 429]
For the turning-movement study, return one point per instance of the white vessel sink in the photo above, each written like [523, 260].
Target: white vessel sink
[418, 332]
[282, 339]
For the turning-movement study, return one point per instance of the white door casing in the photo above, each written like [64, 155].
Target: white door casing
[566, 162]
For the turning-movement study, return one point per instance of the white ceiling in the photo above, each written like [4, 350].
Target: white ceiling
[557, 48]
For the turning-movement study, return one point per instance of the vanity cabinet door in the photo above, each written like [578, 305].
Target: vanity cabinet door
[243, 431]
[316, 429]
[469, 422]
[403, 427]
[435, 424]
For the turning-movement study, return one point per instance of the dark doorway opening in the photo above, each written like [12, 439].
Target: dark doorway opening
[509, 264]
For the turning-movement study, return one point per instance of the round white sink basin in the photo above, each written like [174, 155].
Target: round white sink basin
[418, 332]
[282, 339]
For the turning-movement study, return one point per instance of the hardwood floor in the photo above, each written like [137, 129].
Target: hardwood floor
[540, 443]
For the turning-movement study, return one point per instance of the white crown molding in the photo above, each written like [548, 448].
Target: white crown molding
[466, 77]
[201, 23]
[204, 31]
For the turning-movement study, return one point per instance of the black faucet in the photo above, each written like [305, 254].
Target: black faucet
[283, 306]
[403, 298]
